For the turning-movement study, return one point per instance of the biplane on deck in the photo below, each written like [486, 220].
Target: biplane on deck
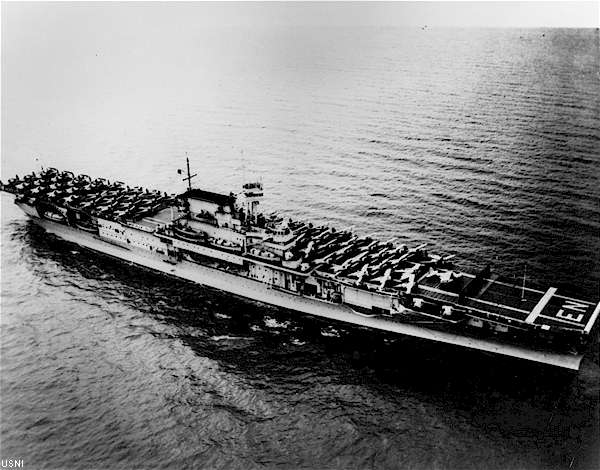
[516, 305]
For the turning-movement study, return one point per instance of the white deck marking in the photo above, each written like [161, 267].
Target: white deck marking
[562, 320]
[574, 300]
[540, 305]
[440, 291]
[473, 309]
[530, 289]
[507, 307]
[592, 319]
[491, 313]
[486, 287]
[506, 284]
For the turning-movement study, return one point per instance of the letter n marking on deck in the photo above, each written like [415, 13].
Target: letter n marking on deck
[540, 305]
[572, 305]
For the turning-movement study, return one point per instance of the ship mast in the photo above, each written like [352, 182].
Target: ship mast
[189, 176]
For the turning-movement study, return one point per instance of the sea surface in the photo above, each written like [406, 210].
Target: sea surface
[483, 143]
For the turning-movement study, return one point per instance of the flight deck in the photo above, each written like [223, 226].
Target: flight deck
[313, 269]
[513, 304]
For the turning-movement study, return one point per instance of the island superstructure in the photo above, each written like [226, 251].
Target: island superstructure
[224, 241]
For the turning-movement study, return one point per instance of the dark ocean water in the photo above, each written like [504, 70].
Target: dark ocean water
[483, 143]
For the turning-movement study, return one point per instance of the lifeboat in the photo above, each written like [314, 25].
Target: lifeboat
[188, 234]
[88, 227]
[53, 215]
[264, 255]
[224, 245]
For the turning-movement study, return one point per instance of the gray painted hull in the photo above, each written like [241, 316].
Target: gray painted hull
[262, 292]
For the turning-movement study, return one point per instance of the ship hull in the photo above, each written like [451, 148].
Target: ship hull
[259, 291]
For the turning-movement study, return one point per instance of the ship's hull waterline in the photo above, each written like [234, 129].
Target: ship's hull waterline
[259, 291]
[223, 241]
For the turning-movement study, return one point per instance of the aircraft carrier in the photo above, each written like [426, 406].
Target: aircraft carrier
[225, 242]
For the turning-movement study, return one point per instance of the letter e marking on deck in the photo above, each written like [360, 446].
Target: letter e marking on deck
[575, 306]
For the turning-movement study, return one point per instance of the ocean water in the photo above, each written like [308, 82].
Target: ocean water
[483, 143]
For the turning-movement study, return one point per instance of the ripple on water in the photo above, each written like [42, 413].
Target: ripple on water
[482, 143]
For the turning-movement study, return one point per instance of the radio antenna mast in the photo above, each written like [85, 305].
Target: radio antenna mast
[523, 287]
[243, 167]
[189, 176]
